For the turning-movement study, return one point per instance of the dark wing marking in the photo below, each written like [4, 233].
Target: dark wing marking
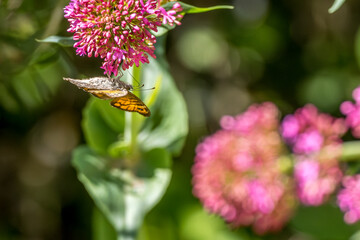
[131, 103]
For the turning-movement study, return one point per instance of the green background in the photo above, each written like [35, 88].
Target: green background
[287, 52]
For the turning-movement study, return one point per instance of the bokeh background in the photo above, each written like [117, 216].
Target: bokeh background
[288, 52]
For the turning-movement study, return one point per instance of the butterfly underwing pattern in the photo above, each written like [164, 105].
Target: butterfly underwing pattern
[115, 89]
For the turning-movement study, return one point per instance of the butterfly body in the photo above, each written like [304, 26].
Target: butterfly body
[113, 88]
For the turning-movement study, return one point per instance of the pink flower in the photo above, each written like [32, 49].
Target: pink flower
[352, 112]
[315, 139]
[348, 198]
[307, 130]
[316, 180]
[118, 31]
[237, 174]
[308, 142]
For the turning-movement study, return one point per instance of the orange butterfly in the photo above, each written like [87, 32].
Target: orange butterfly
[113, 88]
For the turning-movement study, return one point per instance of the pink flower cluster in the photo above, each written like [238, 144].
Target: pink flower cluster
[237, 172]
[309, 131]
[352, 112]
[314, 138]
[118, 31]
[349, 198]
[316, 179]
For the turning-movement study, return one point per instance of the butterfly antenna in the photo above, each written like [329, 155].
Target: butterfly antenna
[120, 76]
[137, 82]
[143, 89]
[139, 86]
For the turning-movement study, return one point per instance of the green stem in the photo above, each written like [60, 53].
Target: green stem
[125, 237]
[132, 125]
[351, 151]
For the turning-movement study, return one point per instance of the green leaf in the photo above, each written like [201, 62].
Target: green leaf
[33, 86]
[162, 30]
[44, 57]
[7, 100]
[123, 196]
[62, 41]
[197, 224]
[26, 89]
[356, 236]
[324, 223]
[187, 8]
[336, 5]
[101, 227]
[102, 124]
[155, 158]
[168, 126]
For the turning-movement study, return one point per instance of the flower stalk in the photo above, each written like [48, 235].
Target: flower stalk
[132, 126]
[350, 151]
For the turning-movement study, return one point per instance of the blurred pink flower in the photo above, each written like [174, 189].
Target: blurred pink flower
[237, 172]
[316, 180]
[307, 130]
[348, 198]
[119, 31]
[352, 112]
[315, 139]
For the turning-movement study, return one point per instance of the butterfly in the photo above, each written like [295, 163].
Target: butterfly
[115, 89]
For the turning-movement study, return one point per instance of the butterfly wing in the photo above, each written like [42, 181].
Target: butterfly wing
[131, 103]
[102, 87]
[107, 94]
[110, 88]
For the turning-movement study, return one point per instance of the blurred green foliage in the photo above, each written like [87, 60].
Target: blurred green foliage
[287, 52]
